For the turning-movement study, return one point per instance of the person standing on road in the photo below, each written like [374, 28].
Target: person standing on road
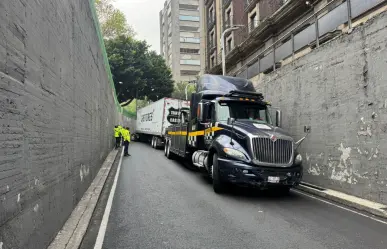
[126, 136]
[117, 135]
[120, 128]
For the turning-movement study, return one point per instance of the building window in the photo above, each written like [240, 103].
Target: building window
[211, 14]
[188, 7]
[189, 51]
[253, 20]
[190, 62]
[212, 38]
[212, 61]
[189, 18]
[189, 40]
[189, 28]
[229, 45]
[188, 73]
[228, 16]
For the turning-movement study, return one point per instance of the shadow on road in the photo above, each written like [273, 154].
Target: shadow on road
[237, 191]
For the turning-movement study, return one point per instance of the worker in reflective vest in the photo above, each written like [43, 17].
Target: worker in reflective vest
[117, 135]
[121, 136]
[126, 136]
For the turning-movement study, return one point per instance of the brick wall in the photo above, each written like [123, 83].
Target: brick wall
[339, 90]
[56, 116]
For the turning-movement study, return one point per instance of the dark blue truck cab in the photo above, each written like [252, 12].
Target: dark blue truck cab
[230, 133]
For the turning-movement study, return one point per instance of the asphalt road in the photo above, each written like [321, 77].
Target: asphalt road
[161, 204]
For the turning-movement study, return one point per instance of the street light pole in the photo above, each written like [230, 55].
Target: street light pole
[222, 43]
[186, 89]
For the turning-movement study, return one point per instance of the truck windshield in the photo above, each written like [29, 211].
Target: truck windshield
[243, 111]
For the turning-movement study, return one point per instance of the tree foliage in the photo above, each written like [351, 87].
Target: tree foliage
[112, 21]
[179, 90]
[137, 72]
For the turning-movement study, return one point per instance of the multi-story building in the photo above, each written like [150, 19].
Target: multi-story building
[272, 33]
[180, 38]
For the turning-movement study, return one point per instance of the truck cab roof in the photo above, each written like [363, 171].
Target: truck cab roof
[218, 85]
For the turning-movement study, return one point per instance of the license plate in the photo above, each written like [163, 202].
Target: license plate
[273, 179]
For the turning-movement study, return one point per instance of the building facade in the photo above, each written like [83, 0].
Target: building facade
[180, 41]
[272, 33]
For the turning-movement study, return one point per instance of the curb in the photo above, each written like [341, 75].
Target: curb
[377, 209]
[72, 232]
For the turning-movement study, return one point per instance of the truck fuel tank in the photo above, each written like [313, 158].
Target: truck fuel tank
[199, 158]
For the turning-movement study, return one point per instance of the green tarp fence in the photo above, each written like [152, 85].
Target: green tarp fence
[106, 61]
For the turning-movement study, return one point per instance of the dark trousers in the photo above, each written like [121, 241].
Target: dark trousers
[118, 142]
[126, 144]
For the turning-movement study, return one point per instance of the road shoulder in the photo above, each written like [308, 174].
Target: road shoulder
[377, 209]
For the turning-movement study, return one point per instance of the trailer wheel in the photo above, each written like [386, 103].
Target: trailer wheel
[217, 183]
[153, 142]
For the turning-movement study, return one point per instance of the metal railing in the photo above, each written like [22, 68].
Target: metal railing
[308, 32]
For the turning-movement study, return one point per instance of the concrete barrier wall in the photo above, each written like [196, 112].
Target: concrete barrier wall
[57, 114]
[340, 90]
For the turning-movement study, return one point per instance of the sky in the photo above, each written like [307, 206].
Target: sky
[143, 16]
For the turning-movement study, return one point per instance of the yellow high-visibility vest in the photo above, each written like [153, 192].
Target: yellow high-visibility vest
[117, 132]
[126, 134]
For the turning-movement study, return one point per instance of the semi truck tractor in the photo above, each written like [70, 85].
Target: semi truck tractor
[152, 120]
[230, 134]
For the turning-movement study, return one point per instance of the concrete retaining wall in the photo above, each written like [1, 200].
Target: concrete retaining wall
[57, 114]
[340, 90]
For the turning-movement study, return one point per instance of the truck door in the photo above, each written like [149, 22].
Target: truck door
[183, 135]
[210, 122]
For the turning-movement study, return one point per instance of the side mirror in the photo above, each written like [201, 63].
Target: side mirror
[230, 121]
[200, 112]
[307, 129]
[278, 118]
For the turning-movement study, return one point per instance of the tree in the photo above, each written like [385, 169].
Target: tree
[137, 73]
[179, 90]
[159, 78]
[112, 21]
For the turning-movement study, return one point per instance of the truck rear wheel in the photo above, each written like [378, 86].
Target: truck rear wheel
[165, 148]
[217, 183]
[168, 152]
[153, 142]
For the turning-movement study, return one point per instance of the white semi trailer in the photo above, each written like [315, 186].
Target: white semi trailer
[153, 119]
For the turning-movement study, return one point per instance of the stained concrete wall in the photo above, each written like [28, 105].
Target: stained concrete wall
[340, 90]
[56, 116]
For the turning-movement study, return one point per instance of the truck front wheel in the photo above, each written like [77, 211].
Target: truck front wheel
[217, 183]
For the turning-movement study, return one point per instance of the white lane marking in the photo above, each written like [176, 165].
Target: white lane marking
[336, 205]
[106, 214]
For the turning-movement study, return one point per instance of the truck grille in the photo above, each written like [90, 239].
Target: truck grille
[267, 151]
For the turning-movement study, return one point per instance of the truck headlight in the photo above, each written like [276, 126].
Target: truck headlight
[235, 153]
[298, 159]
